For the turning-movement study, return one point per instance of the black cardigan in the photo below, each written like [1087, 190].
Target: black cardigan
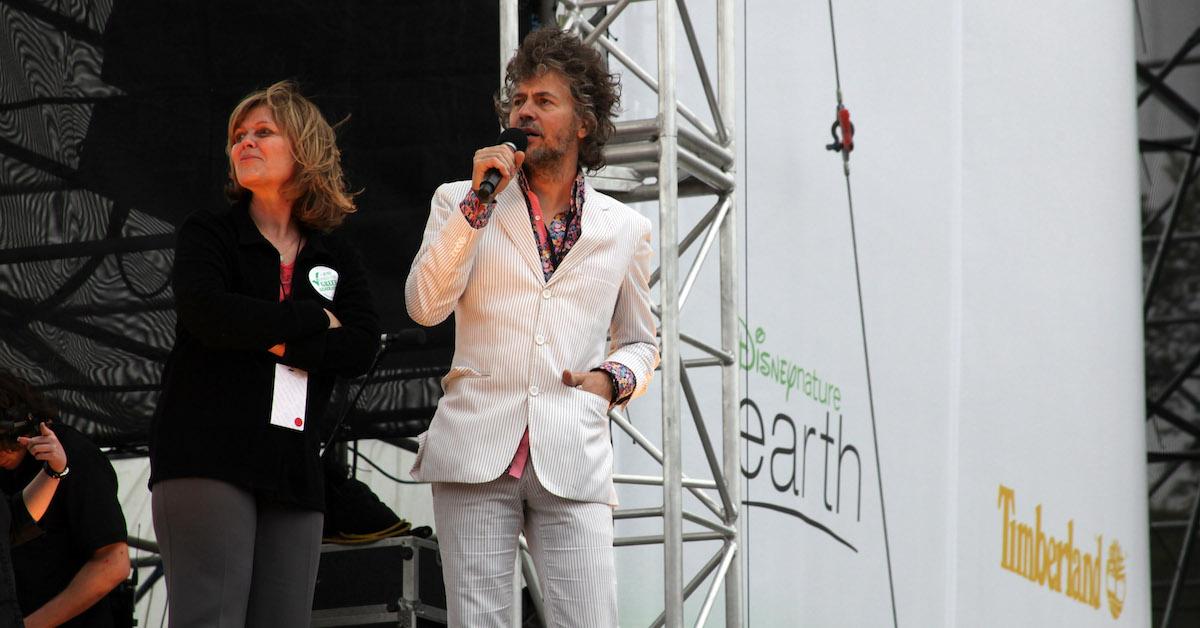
[213, 418]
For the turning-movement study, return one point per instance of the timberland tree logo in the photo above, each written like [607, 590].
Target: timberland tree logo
[1114, 579]
[1056, 563]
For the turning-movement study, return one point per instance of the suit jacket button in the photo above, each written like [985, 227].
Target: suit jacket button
[540, 339]
[545, 294]
[533, 391]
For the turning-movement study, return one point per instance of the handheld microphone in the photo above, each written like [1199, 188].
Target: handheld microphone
[405, 337]
[517, 141]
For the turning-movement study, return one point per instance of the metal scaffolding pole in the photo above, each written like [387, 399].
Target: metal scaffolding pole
[730, 432]
[1172, 402]
[509, 34]
[673, 155]
[668, 255]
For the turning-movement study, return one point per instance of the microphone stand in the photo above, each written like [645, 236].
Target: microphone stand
[385, 344]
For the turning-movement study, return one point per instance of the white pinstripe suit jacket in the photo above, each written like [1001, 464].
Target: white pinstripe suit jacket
[515, 333]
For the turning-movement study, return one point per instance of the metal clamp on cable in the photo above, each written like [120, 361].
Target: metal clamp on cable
[845, 143]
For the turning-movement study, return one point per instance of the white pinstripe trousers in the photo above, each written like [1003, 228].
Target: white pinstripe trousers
[570, 541]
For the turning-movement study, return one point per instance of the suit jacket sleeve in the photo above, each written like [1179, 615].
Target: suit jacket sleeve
[439, 273]
[633, 332]
[210, 310]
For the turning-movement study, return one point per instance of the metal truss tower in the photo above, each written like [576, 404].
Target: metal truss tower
[1169, 146]
[663, 159]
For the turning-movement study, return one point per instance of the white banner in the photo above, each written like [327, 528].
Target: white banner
[1001, 480]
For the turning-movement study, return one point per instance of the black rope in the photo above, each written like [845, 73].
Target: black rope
[385, 474]
[352, 400]
[748, 573]
[862, 319]
[837, 72]
[1137, 8]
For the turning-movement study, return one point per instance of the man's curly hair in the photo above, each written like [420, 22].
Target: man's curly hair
[18, 399]
[596, 91]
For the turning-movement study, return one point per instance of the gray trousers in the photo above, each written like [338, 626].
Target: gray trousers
[232, 561]
[571, 543]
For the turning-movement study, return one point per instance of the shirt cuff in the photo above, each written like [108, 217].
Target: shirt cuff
[476, 213]
[623, 381]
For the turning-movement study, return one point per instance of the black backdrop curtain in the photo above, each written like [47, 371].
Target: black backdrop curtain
[112, 121]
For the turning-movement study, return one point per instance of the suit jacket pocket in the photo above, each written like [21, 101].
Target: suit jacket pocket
[460, 371]
[595, 404]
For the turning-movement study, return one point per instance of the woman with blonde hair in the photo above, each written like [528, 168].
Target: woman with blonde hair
[272, 307]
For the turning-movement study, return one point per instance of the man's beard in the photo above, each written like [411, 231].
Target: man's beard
[544, 159]
[548, 160]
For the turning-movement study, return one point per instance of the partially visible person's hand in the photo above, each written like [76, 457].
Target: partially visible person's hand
[46, 448]
[596, 382]
[334, 323]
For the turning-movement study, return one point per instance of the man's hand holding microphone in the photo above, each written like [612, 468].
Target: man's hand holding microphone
[495, 166]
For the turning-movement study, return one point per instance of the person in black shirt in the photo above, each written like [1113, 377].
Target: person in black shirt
[272, 307]
[64, 574]
[28, 500]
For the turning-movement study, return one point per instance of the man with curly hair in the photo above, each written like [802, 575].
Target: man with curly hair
[548, 283]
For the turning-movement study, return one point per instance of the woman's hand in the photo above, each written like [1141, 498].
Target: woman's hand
[281, 348]
[46, 448]
[334, 323]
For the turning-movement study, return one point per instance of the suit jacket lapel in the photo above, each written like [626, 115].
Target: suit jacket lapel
[513, 216]
[595, 229]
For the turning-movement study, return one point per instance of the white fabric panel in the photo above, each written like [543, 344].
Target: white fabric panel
[994, 188]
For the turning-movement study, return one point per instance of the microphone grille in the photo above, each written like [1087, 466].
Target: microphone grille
[516, 137]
